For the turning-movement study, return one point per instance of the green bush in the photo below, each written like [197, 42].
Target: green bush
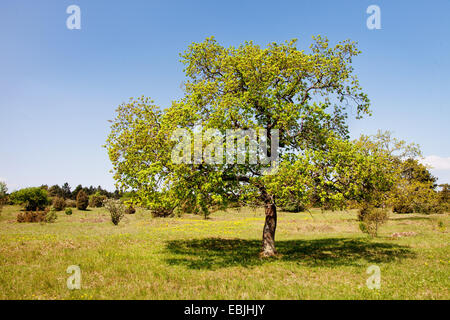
[31, 198]
[59, 203]
[82, 200]
[68, 211]
[116, 209]
[371, 219]
[51, 216]
[96, 200]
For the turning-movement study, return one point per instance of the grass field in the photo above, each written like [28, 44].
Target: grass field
[321, 256]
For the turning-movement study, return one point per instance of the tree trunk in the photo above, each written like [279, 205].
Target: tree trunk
[268, 240]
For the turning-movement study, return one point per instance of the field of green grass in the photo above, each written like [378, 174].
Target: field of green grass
[321, 256]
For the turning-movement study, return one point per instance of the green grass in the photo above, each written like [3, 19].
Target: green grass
[321, 256]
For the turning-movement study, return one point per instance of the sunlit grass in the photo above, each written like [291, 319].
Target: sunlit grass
[321, 256]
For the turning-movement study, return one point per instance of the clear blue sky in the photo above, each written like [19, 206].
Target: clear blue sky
[58, 87]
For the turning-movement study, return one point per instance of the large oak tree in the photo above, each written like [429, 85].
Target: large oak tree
[306, 96]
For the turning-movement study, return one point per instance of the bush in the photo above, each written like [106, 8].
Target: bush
[59, 203]
[161, 211]
[32, 199]
[82, 200]
[31, 216]
[130, 210]
[116, 209]
[51, 216]
[68, 211]
[294, 207]
[96, 200]
[371, 219]
[402, 208]
[71, 203]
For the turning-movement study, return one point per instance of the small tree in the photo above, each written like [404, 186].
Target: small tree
[82, 200]
[371, 219]
[116, 209]
[31, 198]
[55, 191]
[59, 203]
[51, 216]
[65, 190]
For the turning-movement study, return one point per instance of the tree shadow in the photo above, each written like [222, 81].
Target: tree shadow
[215, 253]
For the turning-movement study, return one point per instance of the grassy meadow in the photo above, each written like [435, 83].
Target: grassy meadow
[322, 255]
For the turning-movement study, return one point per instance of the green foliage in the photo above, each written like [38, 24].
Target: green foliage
[116, 209]
[294, 207]
[248, 87]
[65, 190]
[51, 216]
[68, 211]
[55, 191]
[31, 198]
[82, 200]
[96, 200]
[415, 190]
[59, 203]
[371, 219]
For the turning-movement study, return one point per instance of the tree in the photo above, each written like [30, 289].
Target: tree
[413, 186]
[31, 198]
[82, 200]
[65, 190]
[305, 96]
[445, 193]
[55, 191]
[75, 192]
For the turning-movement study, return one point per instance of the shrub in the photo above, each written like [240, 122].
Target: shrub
[402, 208]
[82, 200]
[51, 216]
[96, 200]
[59, 203]
[71, 203]
[161, 211]
[130, 210]
[31, 216]
[116, 209]
[31, 198]
[294, 207]
[68, 211]
[371, 219]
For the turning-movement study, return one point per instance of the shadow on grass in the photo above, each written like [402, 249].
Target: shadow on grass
[214, 253]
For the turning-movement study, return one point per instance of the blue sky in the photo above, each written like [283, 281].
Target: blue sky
[58, 87]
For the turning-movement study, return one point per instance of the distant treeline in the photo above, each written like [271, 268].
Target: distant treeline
[66, 192]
